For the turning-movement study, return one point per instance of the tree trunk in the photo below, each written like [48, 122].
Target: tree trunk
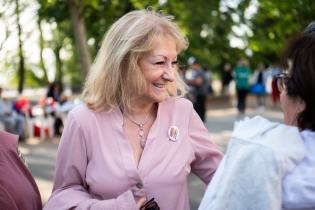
[6, 36]
[41, 46]
[76, 13]
[21, 68]
[59, 75]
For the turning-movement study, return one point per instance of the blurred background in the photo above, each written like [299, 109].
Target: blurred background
[42, 41]
[48, 46]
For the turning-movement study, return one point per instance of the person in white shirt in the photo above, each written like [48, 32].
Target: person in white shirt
[272, 165]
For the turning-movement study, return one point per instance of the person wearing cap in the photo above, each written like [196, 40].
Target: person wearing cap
[199, 84]
[271, 165]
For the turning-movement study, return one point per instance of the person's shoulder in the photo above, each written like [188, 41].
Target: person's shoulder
[83, 114]
[178, 103]
[80, 109]
[8, 141]
[177, 109]
[282, 139]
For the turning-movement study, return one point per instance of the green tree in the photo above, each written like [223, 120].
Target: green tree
[21, 67]
[274, 23]
[77, 17]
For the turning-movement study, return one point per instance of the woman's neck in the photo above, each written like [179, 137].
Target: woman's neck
[140, 111]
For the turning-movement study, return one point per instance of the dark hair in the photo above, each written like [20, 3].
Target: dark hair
[299, 59]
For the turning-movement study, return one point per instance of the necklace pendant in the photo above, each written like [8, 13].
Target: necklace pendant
[141, 133]
[141, 128]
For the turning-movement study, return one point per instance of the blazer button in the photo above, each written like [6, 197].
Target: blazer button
[139, 185]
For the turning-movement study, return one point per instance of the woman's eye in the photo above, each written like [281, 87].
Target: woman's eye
[174, 62]
[160, 63]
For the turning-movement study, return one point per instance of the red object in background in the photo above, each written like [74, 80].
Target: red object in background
[21, 102]
[37, 131]
[22, 105]
[275, 94]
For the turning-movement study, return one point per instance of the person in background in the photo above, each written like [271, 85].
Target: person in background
[209, 78]
[54, 98]
[54, 91]
[135, 138]
[189, 75]
[23, 106]
[13, 122]
[18, 189]
[199, 84]
[182, 72]
[259, 87]
[226, 78]
[241, 77]
[271, 165]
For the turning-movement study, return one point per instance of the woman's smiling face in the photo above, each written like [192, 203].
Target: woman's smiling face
[159, 68]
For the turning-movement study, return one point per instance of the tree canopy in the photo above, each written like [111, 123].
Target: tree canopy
[218, 31]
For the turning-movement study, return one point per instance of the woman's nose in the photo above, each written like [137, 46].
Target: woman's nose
[169, 73]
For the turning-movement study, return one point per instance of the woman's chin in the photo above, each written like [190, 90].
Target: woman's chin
[159, 97]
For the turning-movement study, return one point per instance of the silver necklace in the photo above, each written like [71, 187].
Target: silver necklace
[141, 128]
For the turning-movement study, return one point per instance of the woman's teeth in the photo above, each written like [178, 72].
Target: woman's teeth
[159, 85]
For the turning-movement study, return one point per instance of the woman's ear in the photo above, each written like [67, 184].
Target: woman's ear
[300, 106]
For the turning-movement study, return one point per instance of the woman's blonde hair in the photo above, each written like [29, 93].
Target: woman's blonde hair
[115, 77]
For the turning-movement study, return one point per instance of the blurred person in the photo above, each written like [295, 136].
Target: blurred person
[18, 189]
[259, 87]
[199, 84]
[209, 78]
[189, 74]
[55, 98]
[62, 109]
[135, 138]
[182, 72]
[13, 122]
[54, 91]
[226, 78]
[23, 106]
[241, 77]
[271, 165]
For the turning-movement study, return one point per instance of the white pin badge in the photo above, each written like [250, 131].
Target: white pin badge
[173, 133]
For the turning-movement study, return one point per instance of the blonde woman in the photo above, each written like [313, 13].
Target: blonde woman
[135, 139]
